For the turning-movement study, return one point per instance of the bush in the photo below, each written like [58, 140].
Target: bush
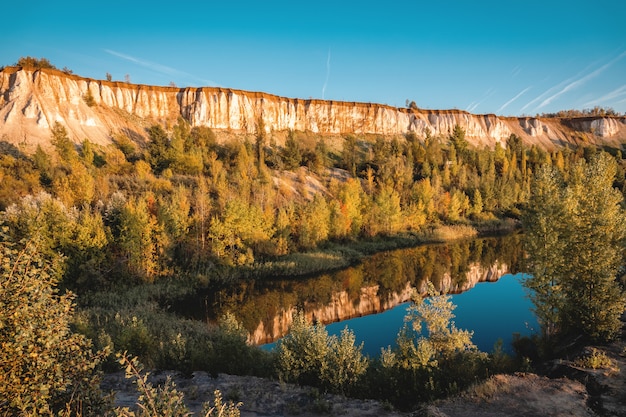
[428, 363]
[308, 355]
[596, 359]
[44, 367]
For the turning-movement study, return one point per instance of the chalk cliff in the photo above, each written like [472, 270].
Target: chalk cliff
[31, 101]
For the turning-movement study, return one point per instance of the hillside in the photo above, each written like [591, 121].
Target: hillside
[32, 100]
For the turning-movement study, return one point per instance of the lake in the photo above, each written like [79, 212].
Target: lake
[371, 298]
[493, 310]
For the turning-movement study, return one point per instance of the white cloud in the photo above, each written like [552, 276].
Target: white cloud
[164, 69]
[505, 105]
[576, 83]
[617, 93]
[327, 75]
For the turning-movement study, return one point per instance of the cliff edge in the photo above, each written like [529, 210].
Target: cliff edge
[32, 100]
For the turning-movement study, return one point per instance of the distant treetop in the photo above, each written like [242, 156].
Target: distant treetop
[596, 111]
[33, 62]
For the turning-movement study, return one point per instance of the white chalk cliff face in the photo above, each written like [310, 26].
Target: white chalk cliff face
[31, 101]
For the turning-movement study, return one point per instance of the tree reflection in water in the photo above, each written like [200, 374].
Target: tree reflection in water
[380, 282]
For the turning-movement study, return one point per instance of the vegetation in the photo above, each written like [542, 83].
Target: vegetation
[594, 112]
[576, 228]
[309, 356]
[44, 366]
[138, 229]
[596, 359]
[32, 62]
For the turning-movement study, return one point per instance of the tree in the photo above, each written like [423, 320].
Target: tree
[292, 155]
[575, 233]
[44, 367]
[349, 157]
[545, 232]
[32, 62]
[441, 339]
[159, 153]
[137, 238]
[595, 251]
[64, 146]
[308, 355]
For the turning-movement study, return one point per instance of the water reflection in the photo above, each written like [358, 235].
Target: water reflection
[380, 283]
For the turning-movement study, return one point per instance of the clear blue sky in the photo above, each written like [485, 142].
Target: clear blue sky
[504, 57]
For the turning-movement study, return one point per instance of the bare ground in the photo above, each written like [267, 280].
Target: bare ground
[568, 390]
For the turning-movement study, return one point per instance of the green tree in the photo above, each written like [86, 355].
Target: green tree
[430, 336]
[545, 241]
[159, 154]
[292, 155]
[137, 240]
[44, 367]
[308, 355]
[349, 155]
[595, 252]
[575, 240]
[64, 146]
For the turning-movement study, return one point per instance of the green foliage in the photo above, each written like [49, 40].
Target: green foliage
[596, 359]
[427, 365]
[153, 402]
[308, 355]
[44, 367]
[221, 409]
[576, 231]
[166, 400]
[31, 62]
[64, 146]
[443, 340]
[292, 154]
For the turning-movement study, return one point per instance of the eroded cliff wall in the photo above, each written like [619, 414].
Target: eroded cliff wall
[31, 101]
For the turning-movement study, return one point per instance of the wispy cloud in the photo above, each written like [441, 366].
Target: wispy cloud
[474, 104]
[164, 69]
[505, 105]
[327, 74]
[580, 81]
[617, 93]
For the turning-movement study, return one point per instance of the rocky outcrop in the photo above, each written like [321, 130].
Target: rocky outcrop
[33, 100]
[344, 307]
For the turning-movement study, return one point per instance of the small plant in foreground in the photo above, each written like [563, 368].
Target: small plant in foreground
[166, 400]
[220, 409]
[596, 359]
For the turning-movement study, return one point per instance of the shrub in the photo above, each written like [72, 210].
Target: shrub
[595, 359]
[308, 355]
[32, 62]
[166, 400]
[44, 367]
[89, 99]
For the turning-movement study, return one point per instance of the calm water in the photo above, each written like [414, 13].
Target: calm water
[371, 298]
[493, 310]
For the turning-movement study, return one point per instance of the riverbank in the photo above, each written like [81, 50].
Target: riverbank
[337, 255]
[566, 389]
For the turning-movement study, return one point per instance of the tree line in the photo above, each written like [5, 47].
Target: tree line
[186, 204]
[185, 207]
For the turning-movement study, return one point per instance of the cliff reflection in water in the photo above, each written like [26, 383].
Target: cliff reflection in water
[379, 283]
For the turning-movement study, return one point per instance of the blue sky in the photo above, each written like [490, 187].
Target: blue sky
[505, 57]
